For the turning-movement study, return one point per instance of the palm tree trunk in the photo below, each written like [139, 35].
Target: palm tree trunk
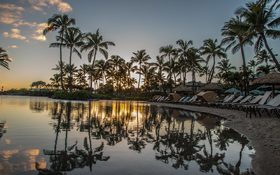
[70, 64]
[139, 76]
[139, 80]
[193, 80]
[60, 63]
[212, 70]
[92, 66]
[170, 73]
[270, 52]
[184, 77]
[244, 68]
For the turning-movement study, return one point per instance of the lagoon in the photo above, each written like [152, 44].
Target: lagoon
[46, 136]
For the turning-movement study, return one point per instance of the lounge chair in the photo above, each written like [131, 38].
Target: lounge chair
[191, 100]
[271, 107]
[227, 99]
[238, 101]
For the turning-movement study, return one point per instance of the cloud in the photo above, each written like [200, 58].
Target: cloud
[12, 47]
[24, 23]
[14, 34]
[10, 13]
[7, 17]
[12, 7]
[61, 6]
[38, 35]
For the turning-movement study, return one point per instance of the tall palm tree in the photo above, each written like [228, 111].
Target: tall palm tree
[182, 51]
[261, 17]
[168, 51]
[94, 43]
[4, 58]
[61, 23]
[140, 57]
[193, 61]
[212, 50]
[72, 40]
[235, 36]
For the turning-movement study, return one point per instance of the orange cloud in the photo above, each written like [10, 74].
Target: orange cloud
[38, 35]
[39, 5]
[14, 34]
[13, 46]
[10, 13]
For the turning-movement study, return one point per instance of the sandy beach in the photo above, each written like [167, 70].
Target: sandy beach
[263, 133]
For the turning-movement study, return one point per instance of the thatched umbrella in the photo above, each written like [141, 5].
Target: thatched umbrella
[269, 79]
[212, 87]
[208, 96]
[182, 88]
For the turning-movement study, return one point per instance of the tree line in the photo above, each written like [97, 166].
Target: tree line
[252, 25]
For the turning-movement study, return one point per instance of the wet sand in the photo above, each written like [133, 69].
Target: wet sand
[263, 133]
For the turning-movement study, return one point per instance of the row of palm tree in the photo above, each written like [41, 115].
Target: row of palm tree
[252, 25]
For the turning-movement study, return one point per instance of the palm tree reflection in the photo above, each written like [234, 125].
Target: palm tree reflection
[71, 157]
[179, 138]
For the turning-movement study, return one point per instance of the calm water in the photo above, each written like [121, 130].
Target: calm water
[44, 136]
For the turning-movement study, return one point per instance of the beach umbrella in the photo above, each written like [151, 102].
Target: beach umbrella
[232, 91]
[212, 87]
[208, 96]
[256, 92]
[269, 79]
[264, 88]
[174, 97]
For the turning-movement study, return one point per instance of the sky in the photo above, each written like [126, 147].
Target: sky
[131, 24]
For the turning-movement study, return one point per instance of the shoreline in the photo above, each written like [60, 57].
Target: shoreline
[262, 132]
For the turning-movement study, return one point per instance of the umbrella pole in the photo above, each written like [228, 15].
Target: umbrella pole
[273, 90]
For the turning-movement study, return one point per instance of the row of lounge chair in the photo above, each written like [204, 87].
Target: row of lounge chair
[250, 104]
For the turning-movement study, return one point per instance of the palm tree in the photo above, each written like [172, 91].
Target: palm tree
[212, 50]
[103, 66]
[193, 61]
[182, 51]
[94, 43]
[72, 40]
[235, 36]
[55, 80]
[160, 65]
[4, 58]
[140, 57]
[80, 76]
[263, 57]
[252, 65]
[224, 66]
[168, 51]
[263, 23]
[60, 23]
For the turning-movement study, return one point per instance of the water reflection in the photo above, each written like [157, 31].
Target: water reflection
[72, 156]
[85, 134]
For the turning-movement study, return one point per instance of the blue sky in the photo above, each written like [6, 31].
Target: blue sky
[131, 24]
